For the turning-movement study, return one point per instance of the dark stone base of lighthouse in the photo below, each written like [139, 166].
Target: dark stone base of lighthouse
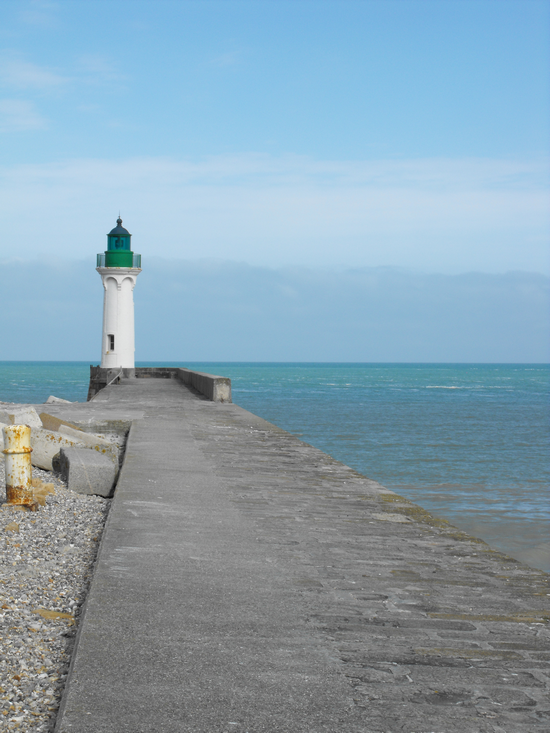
[211, 386]
[101, 377]
[246, 581]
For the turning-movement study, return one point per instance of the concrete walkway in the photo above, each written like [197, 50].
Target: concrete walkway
[247, 582]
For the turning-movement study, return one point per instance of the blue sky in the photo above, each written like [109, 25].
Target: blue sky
[339, 80]
[325, 135]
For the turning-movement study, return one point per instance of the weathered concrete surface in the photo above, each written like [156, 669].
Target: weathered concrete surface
[248, 582]
[50, 422]
[52, 399]
[212, 386]
[46, 444]
[86, 471]
[95, 442]
[2, 425]
[21, 416]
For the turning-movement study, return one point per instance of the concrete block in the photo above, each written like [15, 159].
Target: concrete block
[74, 435]
[78, 434]
[56, 400]
[46, 444]
[217, 389]
[101, 445]
[51, 422]
[2, 425]
[86, 471]
[21, 416]
[102, 427]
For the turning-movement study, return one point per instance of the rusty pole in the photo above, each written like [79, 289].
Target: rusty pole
[17, 449]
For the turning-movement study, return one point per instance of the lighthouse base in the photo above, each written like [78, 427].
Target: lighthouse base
[100, 377]
[211, 386]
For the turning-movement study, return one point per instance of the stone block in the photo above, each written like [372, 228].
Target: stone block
[56, 400]
[86, 471]
[217, 389]
[90, 440]
[78, 434]
[46, 444]
[51, 422]
[21, 416]
[2, 425]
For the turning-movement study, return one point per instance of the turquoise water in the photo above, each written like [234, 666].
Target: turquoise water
[35, 381]
[469, 442]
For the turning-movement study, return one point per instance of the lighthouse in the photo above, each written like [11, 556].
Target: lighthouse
[119, 268]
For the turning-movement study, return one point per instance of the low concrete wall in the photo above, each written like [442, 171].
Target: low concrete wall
[212, 386]
[155, 372]
[217, 389]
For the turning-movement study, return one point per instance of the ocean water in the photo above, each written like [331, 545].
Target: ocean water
[468, 442]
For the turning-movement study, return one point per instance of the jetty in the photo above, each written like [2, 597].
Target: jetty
[247, 582]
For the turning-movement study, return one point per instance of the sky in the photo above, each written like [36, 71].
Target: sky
[352, 143]
[205, 311]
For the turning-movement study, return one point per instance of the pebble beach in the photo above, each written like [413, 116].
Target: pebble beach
[46, 563]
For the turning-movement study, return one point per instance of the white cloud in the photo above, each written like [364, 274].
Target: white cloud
[231, 58]
[18, 114]
[98, 69]
[434, 214]
[40, 13]
[20, 74]
[262, 171]
[90, 108]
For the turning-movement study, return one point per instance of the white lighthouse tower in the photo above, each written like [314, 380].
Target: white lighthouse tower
[119, 268]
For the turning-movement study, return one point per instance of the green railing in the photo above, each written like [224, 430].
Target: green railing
[136, 261]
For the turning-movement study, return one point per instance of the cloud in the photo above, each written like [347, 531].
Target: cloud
[23, 76]
[265, 171]
[231, 58]
[18, 115]
[98, 69]
[435, 174]
[435, 215]
[229, 311]
[90, 108]
[20, 74]
[40, 13]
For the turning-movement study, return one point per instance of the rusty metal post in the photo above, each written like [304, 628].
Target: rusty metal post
[17, 449]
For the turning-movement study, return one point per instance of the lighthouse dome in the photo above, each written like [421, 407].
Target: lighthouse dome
[119, 230]
[119, 249]
[119, 252]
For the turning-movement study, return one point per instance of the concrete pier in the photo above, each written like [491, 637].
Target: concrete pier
[248, 582]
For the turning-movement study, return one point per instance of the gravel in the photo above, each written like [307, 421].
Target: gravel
[46, 563]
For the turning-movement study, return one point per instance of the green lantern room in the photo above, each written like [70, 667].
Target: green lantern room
[119, 252]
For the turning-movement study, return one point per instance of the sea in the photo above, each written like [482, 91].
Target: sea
[468, 442]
